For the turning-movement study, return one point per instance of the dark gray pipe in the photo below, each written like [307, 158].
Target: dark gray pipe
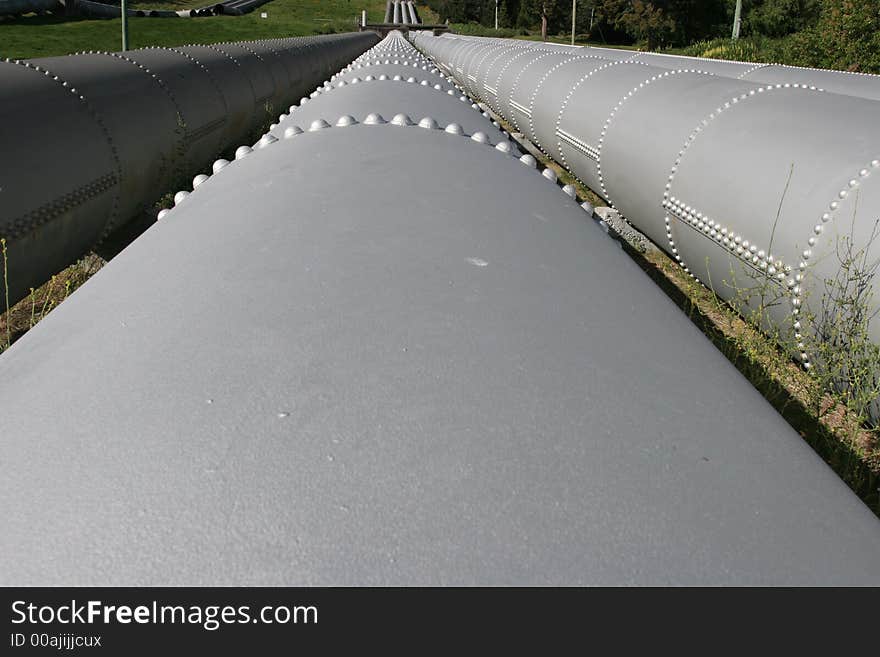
[110, 132]
[101, 10]
[19, 7]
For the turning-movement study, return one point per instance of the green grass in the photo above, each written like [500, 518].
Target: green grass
[42, 36]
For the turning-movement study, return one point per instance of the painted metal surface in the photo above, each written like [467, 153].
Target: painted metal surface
[862, 85]
[381, 350]
[110, 133]
[748, 185]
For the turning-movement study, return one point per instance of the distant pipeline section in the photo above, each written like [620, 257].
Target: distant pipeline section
[94, 139]
[104, 10]
[752, 177]
[228, 8]
[20, 7]
[401, 12]
[80, 7]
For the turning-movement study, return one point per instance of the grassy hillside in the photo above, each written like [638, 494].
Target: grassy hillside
[41, 36]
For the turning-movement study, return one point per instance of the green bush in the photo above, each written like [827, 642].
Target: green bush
[776, 18]
[847, 37]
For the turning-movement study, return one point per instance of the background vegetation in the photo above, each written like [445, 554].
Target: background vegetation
[842, 34]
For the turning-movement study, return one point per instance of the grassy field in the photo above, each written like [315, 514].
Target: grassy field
[45, 36]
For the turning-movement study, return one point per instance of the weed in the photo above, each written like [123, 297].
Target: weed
[6, 291]
[27, 313]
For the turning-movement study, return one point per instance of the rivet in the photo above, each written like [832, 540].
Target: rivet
[266, 139]
[401, 120]
[219, 164]
[374, 119]
[242, 152]
[180, 196]
[199, 179]
[292, 131]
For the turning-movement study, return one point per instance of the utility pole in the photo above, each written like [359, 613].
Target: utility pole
[544, 20]
[574, 13]
[737, 19]
[496, 14]
[124, 10]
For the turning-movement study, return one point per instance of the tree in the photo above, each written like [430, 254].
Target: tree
[643, 20]
[647, 23]
[776, 18]
[846, 37]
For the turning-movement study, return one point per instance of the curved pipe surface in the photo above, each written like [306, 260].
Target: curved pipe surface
[460, 371]
[111, 132]
[753, 188]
